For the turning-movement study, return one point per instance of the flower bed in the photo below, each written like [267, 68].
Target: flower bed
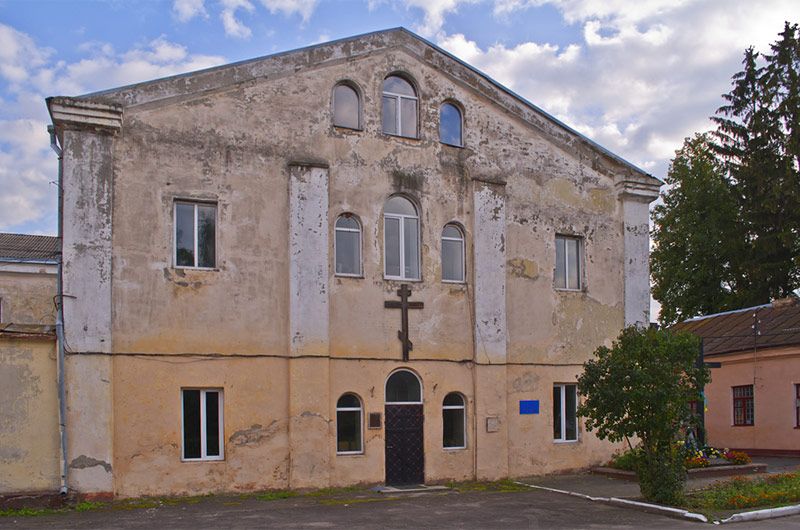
[695, 458]
[740, 492]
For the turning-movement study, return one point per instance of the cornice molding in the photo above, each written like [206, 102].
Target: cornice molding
[73, 113]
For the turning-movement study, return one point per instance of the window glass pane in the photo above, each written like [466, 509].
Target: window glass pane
[400, 205]
[453, 427]
[345, 107]
[411, 236]
[191, 424]
[398, 85]
[453, 400]
[348, 401]
[184, 235]
[403, 387]
[348, 253]
[212, 423]
[451, 231]
[347, 221]
[561, 276]
[206, 219]
[348, 431]
[391, 228]
[571, 405]
[408, 117]
[389, 115]
[556, 412]
[452, 260]
[573, 264]
[450, 125]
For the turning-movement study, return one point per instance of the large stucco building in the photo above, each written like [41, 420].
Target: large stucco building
[235, 240]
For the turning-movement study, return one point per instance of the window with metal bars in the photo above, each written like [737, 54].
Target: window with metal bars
[743, 405]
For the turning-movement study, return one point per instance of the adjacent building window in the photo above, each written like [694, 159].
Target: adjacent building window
[797, 405]
[195, 234]
[346, 107]
[743, 406]
[399, 107]
[202, 424]
[452, 254]
[454, 418]
[565, 420]
[347, 243]
[348, 425]
[450, 125]
[400, 239]
[568, 263]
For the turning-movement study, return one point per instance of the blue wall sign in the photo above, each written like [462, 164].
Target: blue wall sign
[529, 406]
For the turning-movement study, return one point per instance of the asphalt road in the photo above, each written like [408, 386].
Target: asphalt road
[527, 509]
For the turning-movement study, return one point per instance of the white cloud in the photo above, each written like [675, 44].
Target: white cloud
[233, 27]
[27, 165]
[185, 10]
[435, 12]
[289, 7]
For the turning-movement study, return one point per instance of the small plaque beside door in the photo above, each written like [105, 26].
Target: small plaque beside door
[374, 421]
[492, 424]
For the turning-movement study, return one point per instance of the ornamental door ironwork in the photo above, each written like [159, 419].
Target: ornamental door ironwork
[405, 454]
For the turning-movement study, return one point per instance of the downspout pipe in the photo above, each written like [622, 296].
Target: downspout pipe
[62, 397]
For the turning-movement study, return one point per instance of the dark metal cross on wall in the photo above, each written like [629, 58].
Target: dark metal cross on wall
[404, 305]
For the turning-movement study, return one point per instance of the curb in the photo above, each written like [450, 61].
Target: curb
[760, 515]
[654, 508]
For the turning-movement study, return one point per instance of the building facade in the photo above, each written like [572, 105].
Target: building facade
[358, 262]
[29, 425]
[753, 399]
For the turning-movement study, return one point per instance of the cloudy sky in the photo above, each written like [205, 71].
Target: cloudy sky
[637, 76]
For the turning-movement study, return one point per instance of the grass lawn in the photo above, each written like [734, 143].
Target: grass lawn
[747, 493]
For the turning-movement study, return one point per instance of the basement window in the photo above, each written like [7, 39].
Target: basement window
[203, 428]
[565, 419]
[195, 235]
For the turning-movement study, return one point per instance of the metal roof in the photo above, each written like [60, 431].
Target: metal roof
[765, 326]
[28, 248]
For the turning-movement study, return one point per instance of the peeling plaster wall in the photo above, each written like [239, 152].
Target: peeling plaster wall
[259, 150]
[29, 450]
[27, 297]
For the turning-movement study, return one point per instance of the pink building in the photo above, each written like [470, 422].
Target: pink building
[753, 400]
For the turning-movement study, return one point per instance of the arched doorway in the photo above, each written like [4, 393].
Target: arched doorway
[405, 453]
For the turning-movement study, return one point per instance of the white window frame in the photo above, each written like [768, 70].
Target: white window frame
[336, 228]
[398, 108]
[401, 219]
[386, 387]
[194, 204]
[360, 411]
[579, 260]
[203, 427]
[462, 407]
[563, 397]
[463, 241]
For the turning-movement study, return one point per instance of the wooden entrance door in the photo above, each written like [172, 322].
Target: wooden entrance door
[405, 454]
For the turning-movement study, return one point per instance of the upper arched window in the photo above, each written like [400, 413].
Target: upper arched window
[348, 425]
[450, 125]
[403, 387]
[399, 107]
[347, 245]
[452, 254]
[346, 107]
[400, 239]
[454, 422]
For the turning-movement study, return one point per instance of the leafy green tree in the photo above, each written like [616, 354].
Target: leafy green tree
[694, 235]
[641, 387]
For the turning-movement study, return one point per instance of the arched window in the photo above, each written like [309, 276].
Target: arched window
[452, 254]
[347, 245]
[454, 422]
[450, 125]
[399, 107]
[346, 107]
[400, 239]
[403, 387]
[348, 425]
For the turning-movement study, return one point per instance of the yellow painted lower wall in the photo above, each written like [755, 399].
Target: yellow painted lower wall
[29, 435]
[267, 447]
